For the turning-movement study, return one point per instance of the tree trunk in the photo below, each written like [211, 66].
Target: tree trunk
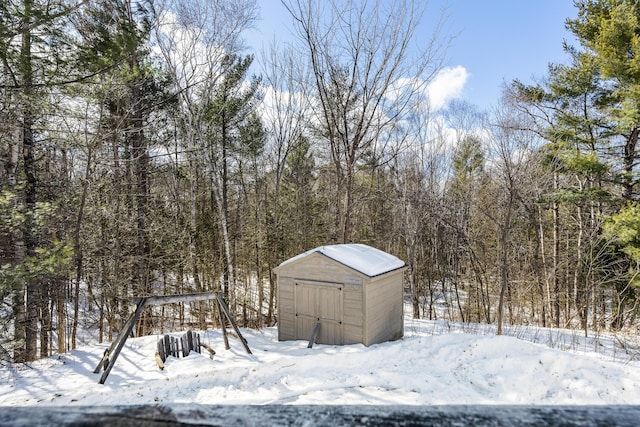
[77, 249]
[274, 257]
[18, 301]
[629, 161]
[226, 240]
[505, 237]
[28, 159]
[223, 206]
[348, 205]
[504, 277]
[141, 161]
[535, 263]
[45, 318]
[556, 256]
[61, 317]
[258, 247]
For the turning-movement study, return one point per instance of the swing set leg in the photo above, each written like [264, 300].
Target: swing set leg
[222, 325]
[223, 307]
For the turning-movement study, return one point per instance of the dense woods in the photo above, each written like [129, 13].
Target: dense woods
[146, 150]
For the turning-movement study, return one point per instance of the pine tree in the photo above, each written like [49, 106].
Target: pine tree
[115, 41]
[34, 53]
[592, 125]
[230, 107]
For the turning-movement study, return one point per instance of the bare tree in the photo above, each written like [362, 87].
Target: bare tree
[365, 74]
[512, 160]
[194, 38]
[465, 183]
[284, 110]
[418, 185]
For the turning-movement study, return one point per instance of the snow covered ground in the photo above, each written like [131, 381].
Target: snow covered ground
[436, 363]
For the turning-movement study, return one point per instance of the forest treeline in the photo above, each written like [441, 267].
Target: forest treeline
[145, 152]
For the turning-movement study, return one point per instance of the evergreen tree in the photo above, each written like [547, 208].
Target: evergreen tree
[226, 113]
[592, 125]
[35, 57]
[609, 31]
[116, 44]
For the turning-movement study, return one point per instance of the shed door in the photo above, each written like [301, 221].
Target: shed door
[323, 302]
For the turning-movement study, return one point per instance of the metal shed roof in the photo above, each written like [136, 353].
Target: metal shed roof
[362, 258]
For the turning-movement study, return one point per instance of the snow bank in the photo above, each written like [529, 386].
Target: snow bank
[421, 369]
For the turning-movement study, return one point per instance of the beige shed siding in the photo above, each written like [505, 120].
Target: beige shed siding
[319, 301]
[316, 267]
[384, 309]
[358, 308]
[353, 314]
[286, 309]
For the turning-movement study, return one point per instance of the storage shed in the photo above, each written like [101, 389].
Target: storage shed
[353, 290]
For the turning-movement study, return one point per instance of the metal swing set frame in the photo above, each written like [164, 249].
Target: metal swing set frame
[111, 354]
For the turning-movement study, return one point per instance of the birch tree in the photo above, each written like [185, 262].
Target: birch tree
[194, 39]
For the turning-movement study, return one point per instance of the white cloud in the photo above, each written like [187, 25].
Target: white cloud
[448, 84]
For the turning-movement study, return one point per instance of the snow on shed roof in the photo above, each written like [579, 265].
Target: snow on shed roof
[362, 258]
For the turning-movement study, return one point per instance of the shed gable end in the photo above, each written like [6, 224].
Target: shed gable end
[318, 267]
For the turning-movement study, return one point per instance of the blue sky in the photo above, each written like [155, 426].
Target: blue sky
[497, 40]
[502, 40]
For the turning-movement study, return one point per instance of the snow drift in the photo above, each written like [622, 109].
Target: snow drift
[434, 364]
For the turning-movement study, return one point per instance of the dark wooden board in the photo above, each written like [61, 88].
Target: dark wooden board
[321, 415]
